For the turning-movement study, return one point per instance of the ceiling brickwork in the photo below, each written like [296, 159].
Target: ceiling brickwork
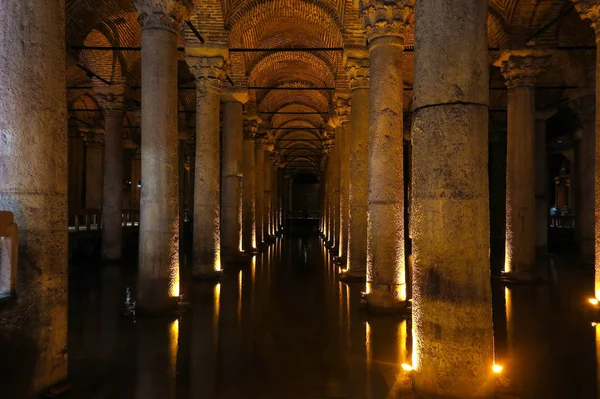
[276, 24]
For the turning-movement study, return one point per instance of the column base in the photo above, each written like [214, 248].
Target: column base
[214, 275]
[384, 299]
[353, 276]
[251, 251]
[167, 308]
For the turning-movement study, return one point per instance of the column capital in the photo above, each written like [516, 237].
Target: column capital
[235, 94]
[521, 67]
[386, 18]
[94, 138]
[342, 109]
[260, 140]
[251, 127]
[111, 99]
[163, 14]
[356, 62]
[589, 9]
[209, 66]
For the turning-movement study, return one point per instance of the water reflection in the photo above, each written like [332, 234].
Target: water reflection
[285, 327]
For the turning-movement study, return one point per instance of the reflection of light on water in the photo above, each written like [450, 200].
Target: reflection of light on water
[509, 313]
[597, 328]
[173, 345]
[217, 304]
[253, 268]
[368, 343]
[239, 304]
[402, 347]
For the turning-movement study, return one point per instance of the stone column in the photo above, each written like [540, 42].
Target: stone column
[335, 196]
[386, 23]
[209, 68]
[136, 179]
[275, 194]
[248, 188]
[343, 134]
[590, 9]
[357, 68]
[453, 342]
[231, 171]
[94, 166]
[33, 185]
[259, 159]
[520, 68]
[542, 204]
[111, 100]
[158, 276]
[267, 193]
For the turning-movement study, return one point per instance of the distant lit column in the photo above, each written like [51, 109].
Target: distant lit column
[343, 114]
[249, 240]
[542, 204]
[335, 199]
[267, 193]
[357, 68]
[274, 192]
[94, 168]
[111, 100]
[453, 340]
[386, 23]
[520, 68]
[590, 9]
[259, 188]
[231, 171]
[158, 274]
[208, 65]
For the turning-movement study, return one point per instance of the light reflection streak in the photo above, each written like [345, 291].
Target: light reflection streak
[239, 304]
[217, 310]
[173, 346]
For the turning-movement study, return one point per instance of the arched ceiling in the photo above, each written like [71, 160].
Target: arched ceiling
[278, 24]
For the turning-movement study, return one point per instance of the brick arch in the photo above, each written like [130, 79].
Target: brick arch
[105, 64]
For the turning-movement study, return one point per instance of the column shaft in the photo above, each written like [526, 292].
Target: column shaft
[520, 182]
[33, 183]
[113, 185]
[541, 188]
[158, 275]
[249, 197]
[231, 174]
[259, 159]
[452, 356]
[335, 224]
[267, 196]
[359, 169]
[93, 171]
[386, 271]
[344, 186]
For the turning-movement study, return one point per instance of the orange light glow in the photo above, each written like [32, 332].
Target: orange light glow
[407, 367]
[594, 301]
[497, 369]
[173, 345]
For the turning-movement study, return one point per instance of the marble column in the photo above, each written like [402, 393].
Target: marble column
[158, 275]
[94, 166]
[520, 68]
[542, 201]
[33, 185]
[248, 187]
[231, 171]
[590, 9]
[334, 240]
[274, 192]
[259, 188]
[452, 356]
[267, 193]
[386, 23]
[357, 68]
[111, 100]
[208, 65]
[343, 115]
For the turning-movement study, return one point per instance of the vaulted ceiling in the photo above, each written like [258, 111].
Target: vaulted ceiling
[273, 24]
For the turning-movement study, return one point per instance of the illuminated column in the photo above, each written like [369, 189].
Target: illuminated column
[208, 66]
[33, 184]
[94, 161]
[259, 188]
[158, 278]
[357, 68]
[386, 23]
[334, 162]
[249, 240]
[274, 192]
[520, 68]
[267, 193]
[343, 114]
[453, 342]
[231, 171]
[111, 100]
[590, 9]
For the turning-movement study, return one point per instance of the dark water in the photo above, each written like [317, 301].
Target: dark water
[285, 328]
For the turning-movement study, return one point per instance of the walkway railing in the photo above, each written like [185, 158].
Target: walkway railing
[91, 220]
